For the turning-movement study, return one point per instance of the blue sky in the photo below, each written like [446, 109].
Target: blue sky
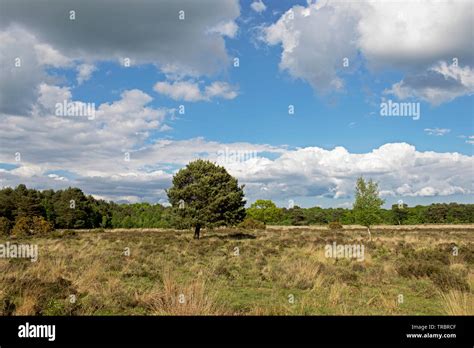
[290, 53]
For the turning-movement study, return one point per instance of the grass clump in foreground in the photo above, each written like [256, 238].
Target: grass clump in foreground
[240, 272]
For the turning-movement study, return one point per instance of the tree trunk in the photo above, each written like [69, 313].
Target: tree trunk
[370, 234]
[197, 230]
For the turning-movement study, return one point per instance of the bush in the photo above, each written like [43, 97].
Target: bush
[252, 224]
[22, 227]
[335, 225]
[439, 274]
[26, 226]
[5, 226]
[40, 226]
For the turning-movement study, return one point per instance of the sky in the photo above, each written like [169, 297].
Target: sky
[296, 99]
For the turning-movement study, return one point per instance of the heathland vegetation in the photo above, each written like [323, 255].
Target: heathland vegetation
[277, 271]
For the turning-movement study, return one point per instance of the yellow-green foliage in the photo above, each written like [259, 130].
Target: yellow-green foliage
[36, 225]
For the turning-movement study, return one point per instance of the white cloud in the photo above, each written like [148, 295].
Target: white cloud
[179, 90]
[399, 167]
[410, 36]
[191, 91]
[258, 6]
[437, 131]
[48, 56]
[439, 84]
[57, 177]
[220, 89]
[228, 29]
[84, 72]
[50, 95]
[415, 34]
[315, 58]
[90, 146]
[94, 151]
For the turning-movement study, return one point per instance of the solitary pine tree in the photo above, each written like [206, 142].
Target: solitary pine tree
[367, 203]
[205, 195]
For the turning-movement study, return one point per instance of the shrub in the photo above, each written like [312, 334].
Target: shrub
[439, 274]
[26, 226]
[5, 226]
[45, 297]
[40, 226]
[252, 224]
[438, 255]
[22, 227]
[335, 225]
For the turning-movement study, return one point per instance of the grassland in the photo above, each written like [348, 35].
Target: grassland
[280, 271]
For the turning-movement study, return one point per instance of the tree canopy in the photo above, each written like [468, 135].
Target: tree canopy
[203, 194]
[265, 211]
[367, 203]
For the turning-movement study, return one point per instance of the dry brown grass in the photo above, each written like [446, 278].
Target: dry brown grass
[172, 298]
[457, 302]
[213, 280]
[336, 293]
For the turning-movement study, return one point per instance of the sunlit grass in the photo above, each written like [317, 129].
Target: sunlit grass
[235, 272]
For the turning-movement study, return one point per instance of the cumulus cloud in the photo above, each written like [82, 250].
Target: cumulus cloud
[192, 92]
[195, 43]
[399, 167]
[273, 172]
[315, 58]
[415, 34]
[258, 6]
[409, 36]
[42, 36]
[439, 84]
[90, 145]
[20, 71]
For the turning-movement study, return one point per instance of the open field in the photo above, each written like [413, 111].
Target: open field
[281, 271]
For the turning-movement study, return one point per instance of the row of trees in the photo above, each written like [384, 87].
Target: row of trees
[71, 208]
[452, 213]
[205, 195]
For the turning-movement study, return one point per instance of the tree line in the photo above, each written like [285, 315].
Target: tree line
[72, 209]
